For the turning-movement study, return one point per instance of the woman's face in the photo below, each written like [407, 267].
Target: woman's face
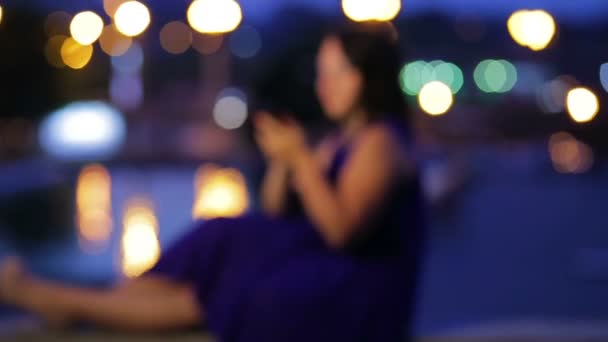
[338, 83]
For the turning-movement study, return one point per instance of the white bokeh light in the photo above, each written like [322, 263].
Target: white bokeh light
[582, 104]
[214, 16]
[367, 10]
[435, 98]
[132, 18]
[230, 111]
[86, 27]
[534, 29]
[83, 130]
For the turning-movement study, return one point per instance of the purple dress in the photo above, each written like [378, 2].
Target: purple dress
[274, 279]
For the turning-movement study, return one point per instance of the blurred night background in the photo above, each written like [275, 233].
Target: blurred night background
[111, 145]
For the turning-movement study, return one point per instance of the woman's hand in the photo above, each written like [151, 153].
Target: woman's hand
[279, 140]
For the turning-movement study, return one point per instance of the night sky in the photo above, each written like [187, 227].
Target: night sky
[579, 10]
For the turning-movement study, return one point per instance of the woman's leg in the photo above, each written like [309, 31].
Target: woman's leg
[161, 306]
[145, 284]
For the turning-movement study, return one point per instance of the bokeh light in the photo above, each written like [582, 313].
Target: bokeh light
[86, 27]
[451, 75]
[94, 207]
[76, 55]
[219, 193]
[207, 44]
[110, 6]
[57, 23]
[515, 26]
[411, 77]
[1, 14]
[83, 130]
[570, 155]
[495, 76]
[582, 104]
[551, 96]
[435, 98]
[604, 75]
[139, 246]
[230, 110]
[132, 18]
[479, 75]
[534, 29]
[245, 42]
[214, 16]
[127, 91]
[114, 43]
[52, 51]
[131, 62]
[416, 74]
[176, 37]
[367, 10]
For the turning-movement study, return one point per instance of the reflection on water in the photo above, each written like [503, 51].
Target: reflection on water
[140, 248]
[94, 207]
[219, 193]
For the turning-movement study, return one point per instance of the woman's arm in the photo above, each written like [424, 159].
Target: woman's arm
[364, 182]
[276, 181]
[274, 188]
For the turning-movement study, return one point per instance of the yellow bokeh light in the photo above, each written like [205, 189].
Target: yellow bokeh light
[219, 193]
[132, 18]
[94, 206]
[1, 13]
[176, 37]
[113, 42]
[367, 10]
[435, 98]
[75, 55]
[93, 187]
[582, 104]
[86, 27]
[214, 16]
[540, 29]
[140, 247]
[532, 29]
[515, 26]
[388, 10]
[52, 51]
[110, 6]
[569, 155]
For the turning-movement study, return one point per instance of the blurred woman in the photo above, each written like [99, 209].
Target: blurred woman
[333, 257]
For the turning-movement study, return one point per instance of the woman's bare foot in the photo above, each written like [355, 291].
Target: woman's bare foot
[18, 288]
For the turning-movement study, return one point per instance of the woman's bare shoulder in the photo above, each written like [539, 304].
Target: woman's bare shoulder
[326, 148]
[382, 139]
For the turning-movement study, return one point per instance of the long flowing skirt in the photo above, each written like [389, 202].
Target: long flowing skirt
[274, 280]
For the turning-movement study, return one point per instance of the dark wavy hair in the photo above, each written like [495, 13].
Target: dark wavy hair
[373, 49]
